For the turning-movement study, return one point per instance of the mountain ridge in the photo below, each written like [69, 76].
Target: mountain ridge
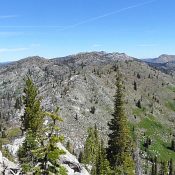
[83, 86]
[164, 58]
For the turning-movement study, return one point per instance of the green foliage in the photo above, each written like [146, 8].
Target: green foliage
[13, 133]
[154, 169]
[25, 155]
[172, 88]
[164, 168]
[7, 154]
[4, 141]
[120, 146]
[40, 145]
[91, 147]
[102, 166]
[173, 145]
[69, 147]
[160, 136]
[171, 167]
[62, 171]
[80, 157]
[48, 153]
[95, 154]
[139, 111]
[32, 118]
[170, 105]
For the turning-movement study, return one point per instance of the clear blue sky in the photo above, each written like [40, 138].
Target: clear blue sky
[52, 28]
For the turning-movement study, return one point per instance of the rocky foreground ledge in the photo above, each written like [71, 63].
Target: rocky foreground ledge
[67, 160]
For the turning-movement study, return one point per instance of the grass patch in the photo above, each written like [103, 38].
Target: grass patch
[13, 133]
[170, 105]
[7, 154]
[4, 141]
[172, 88]
[151, 125]
[138, 111]
[160, 139]
[161, 149]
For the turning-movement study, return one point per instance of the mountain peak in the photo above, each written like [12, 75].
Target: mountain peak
[164, 58]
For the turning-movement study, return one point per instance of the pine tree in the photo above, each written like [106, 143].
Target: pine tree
[173, 145]
[164, 168]
[31, 122]
[135, 86]
[120, 143]
[171, 167]
[48, 152]
[91, 147]
[25, 155]
[69, 147]
[80, 157]
[40, 145]
[102, 164]
[32, 118]
[154, 167]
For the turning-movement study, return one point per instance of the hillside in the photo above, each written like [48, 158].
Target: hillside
[83, 86]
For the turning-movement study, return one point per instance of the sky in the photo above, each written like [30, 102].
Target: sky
[55, 28]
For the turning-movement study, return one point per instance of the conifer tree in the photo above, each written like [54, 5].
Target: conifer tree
[31, 121]
[164, 168]
[102, 164]
[120, 147]
[173, 145]
[135, 86]
[154, 167]
[25, 155]
[171, 167]
[80, 157]
[40, 145]
[91, 147]
[32, 118]
[48, 152]
[69, 147]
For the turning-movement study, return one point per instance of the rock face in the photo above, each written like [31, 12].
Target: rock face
[71, 163]
[7, 167]
[13, 148]
[67, 160]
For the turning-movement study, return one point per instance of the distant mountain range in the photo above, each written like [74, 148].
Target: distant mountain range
[165, 63]
[5, 63]
[161, 59]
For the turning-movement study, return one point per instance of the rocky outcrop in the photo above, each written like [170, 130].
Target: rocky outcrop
[7, 167]
[13, 148]
[67, 160]
[71, 163]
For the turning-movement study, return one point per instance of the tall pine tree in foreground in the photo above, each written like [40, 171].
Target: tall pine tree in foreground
[33, 117]
[31, 122]
[39, 153]
[120, 146]
[48, 152]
